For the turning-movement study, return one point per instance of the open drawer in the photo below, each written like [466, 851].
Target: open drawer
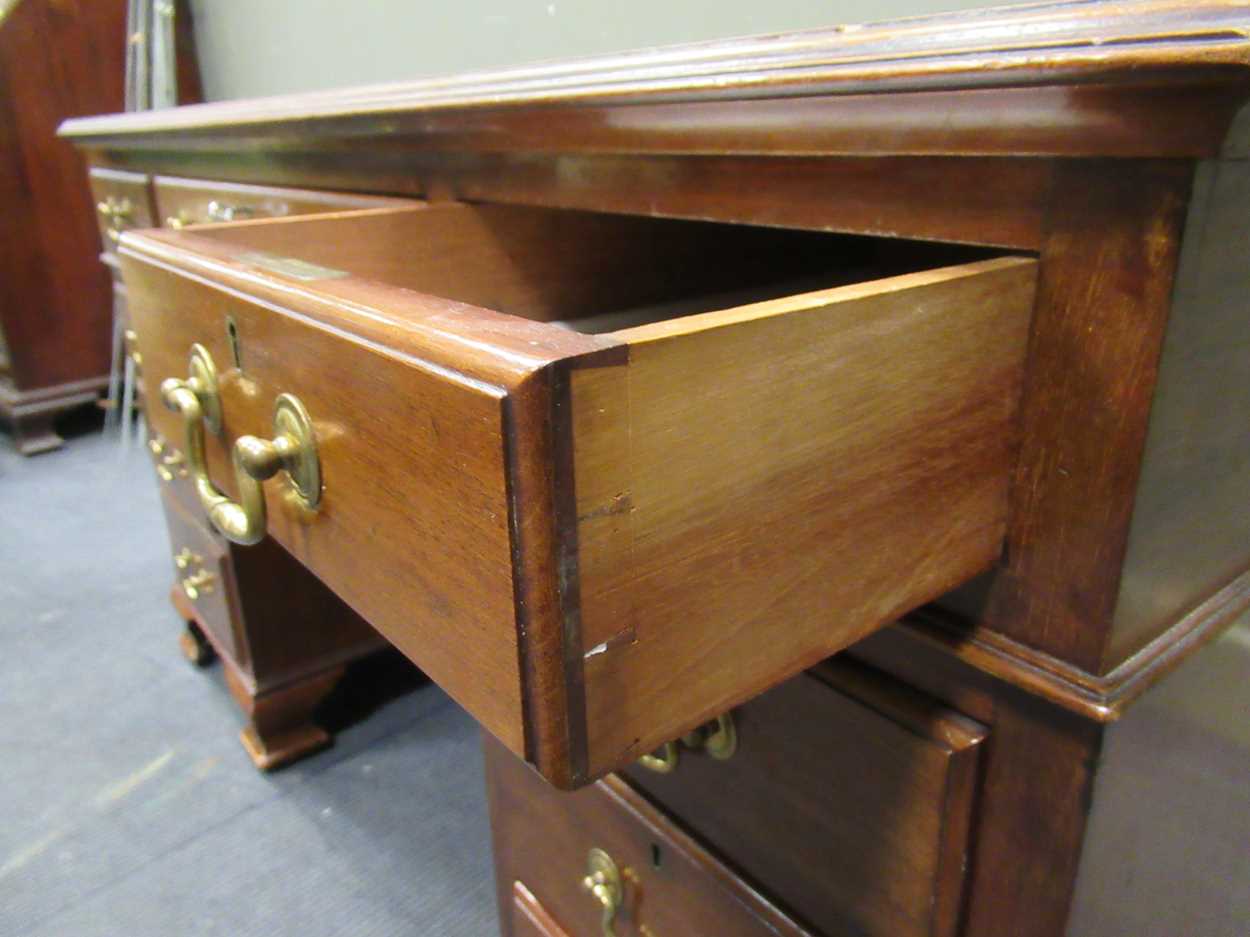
[601, 477]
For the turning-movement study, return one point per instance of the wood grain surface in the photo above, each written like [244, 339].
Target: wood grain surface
[673, 883]
[1062, 79]
[860, 810]
[766, 485]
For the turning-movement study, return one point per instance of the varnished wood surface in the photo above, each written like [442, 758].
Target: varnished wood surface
[1108, 261]
[425, 523]
[54, 309]
[1037, 771]
[760, 488]
[821, 88]
[849, 800]
[528, 917]
[673, 884]
[119, 186]
[182, 201]
[1190, 533]
[216, 606]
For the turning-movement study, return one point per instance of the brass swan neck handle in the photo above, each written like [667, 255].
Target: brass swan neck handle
[292, 449]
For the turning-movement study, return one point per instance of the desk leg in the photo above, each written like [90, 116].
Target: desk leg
[280, 726]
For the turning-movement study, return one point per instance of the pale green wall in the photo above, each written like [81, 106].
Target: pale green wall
[258, 47]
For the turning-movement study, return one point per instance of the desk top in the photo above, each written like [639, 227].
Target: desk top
[1150, 78]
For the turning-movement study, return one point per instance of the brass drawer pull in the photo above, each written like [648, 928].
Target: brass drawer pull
[292, 449]
[198, 584]
[170, 463]
[224, 211]
[720, 741]
[185, 559]
[117, 214]
[603, 881]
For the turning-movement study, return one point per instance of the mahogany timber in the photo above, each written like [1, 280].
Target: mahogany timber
[284, 640]
[528, 917]
[907, 385]
[1038, 766]
[769, 484]
[673, 884]
[118, 186]
[190, 201]
[849, 800]
[1152, 78]
[1190, 534]
[55, 310]
[1109, 256]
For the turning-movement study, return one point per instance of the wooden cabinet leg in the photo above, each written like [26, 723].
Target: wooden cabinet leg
[280, 729]
[192, 642]
[195, 646]
[35, 432]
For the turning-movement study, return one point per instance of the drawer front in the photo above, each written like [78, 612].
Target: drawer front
[848, 799]
[183, 202]
[527, 918]
[202, 572]
[597, 542]
[412, 528]
[123, 203]
[669, 884]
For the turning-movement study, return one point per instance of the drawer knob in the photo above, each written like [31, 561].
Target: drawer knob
[224, 211]
[293, 449]
[170, 463]
[185, 558]
[603, 881]
[117, 214]
[198, 584]
[718, 739]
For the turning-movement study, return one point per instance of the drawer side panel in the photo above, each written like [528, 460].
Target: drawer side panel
[794, 476]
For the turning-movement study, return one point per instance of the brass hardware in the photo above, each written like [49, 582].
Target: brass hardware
[198, 584]
[223, 211]
[131, 336]
[293, 449]
[185, 559]
[603, 880]
[661, 761]
[200, 390]
[719, 739]
[178, 221]
[117, 214]
[171, 463]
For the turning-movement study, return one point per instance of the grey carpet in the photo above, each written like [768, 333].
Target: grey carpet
[128, 807]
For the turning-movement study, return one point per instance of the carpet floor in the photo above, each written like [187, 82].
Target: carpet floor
[128, 806]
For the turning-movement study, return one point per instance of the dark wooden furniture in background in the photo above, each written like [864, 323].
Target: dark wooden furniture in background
[57, 60]
[602, 535]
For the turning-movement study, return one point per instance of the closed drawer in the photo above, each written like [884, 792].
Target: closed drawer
[848, 799]
[183, 202]
[594, 497]
[668, 883]
[123, 202]
[202, 571]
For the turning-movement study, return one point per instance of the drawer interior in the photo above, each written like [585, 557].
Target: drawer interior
[588, 272]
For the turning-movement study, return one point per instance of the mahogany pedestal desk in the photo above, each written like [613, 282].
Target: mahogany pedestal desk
[680, 372]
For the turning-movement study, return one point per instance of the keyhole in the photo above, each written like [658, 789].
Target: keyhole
[232, 335]
[657, 857]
